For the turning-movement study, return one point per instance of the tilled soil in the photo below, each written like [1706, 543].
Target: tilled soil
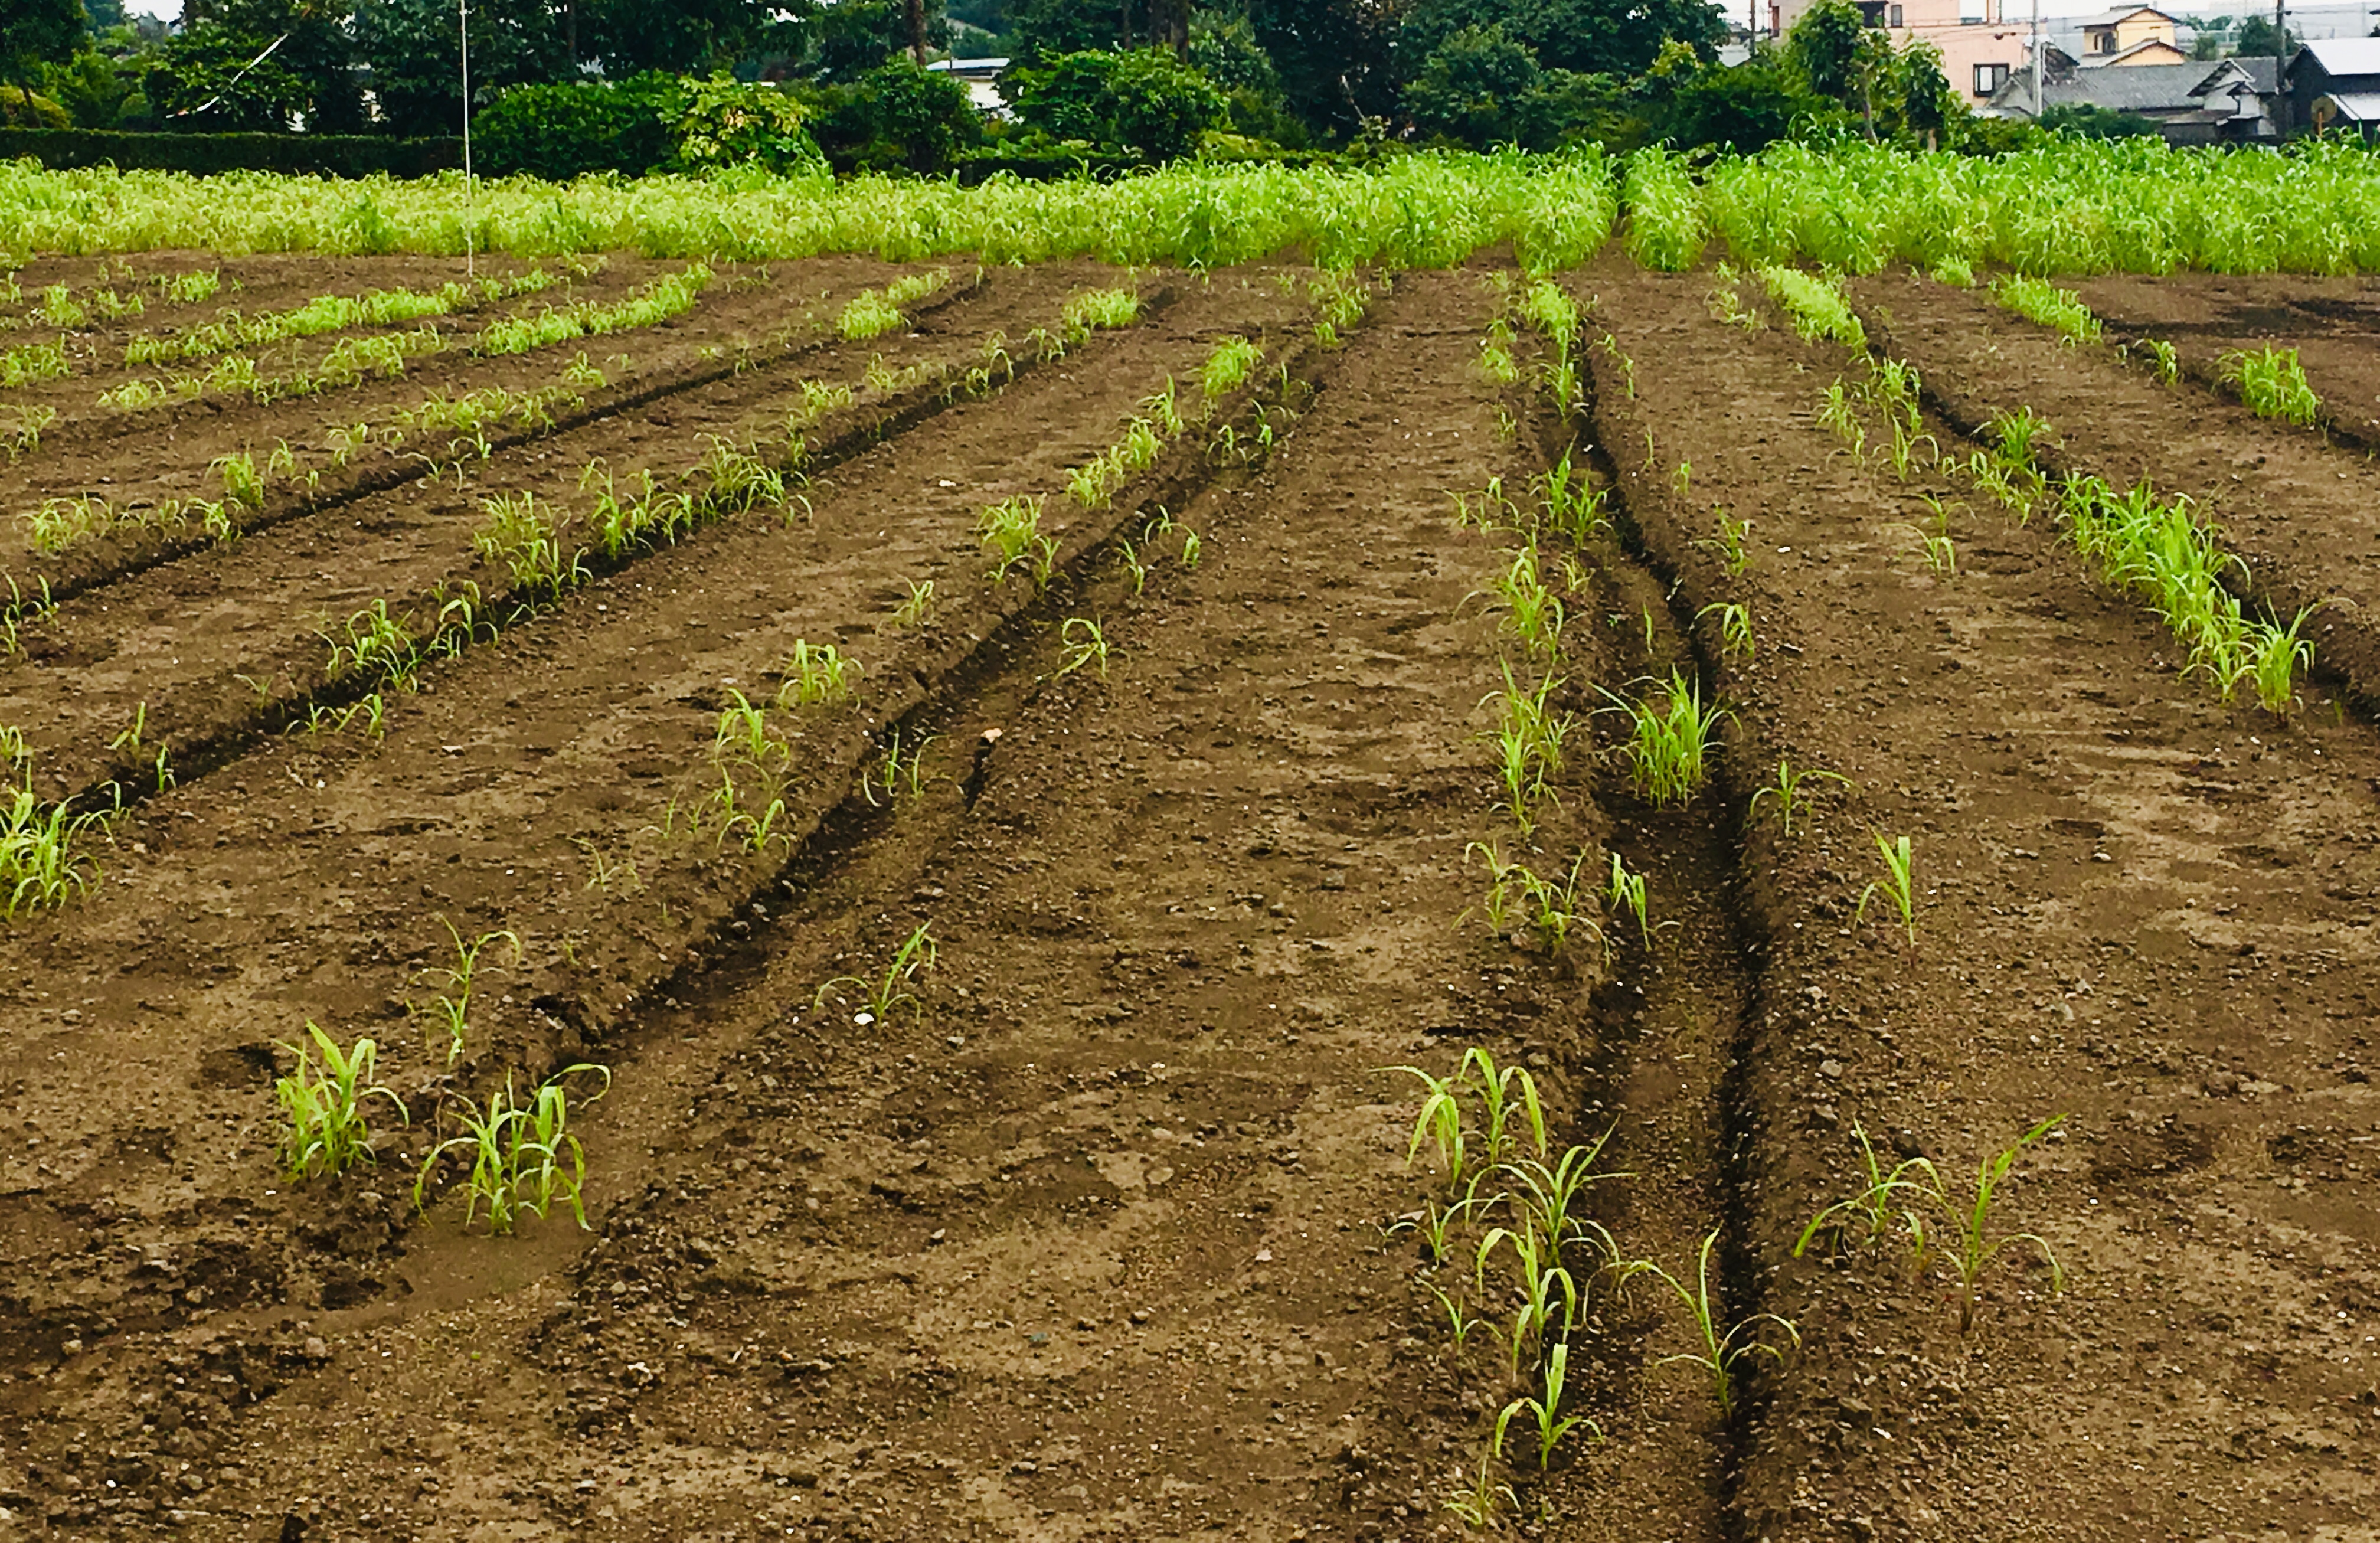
[1108, 1231]
[2140, 910]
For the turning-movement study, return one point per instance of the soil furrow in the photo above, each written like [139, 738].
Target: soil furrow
[2114, 922]
[2268, 485]
[158, 644]
[698, 361]
[638, 684]
[2332, 322]
[1086, 1246]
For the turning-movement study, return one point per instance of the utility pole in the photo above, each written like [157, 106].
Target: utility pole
[2280, 85]
[2036, 59]
[470, 213]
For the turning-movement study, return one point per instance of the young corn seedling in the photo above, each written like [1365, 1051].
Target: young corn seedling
[528, 544]
[1010, 531]
[1477, 1501]
[328, 1131]
[1877, 1208]
[1728, 545]
[1838, 413]
[1440, 1122]
[2274, 385]
[740, 479]
[1163, 411]
[1486, 508]
[378, 647]
[912, 610]
[1557, 908]
[1624, 895]
[1084, 644]
[1228, 369]
[523, 1157]
[743, 729]
[1668, 747]
[1793, 790]
[1735, 636]
[453, 1009]
[1546, 1197]
[242, 485]
[1532, 612]
[2164, 361]
[1720, 1350]
[2040, 301]
[1509, 1106]
[40, 867]
[1099, 309]
[820, 674]
[1572, 507]
[1898, 885]
[1496, 907]
[1976, 1246]
[26, 437]
[1816, 306]
[1941, 553]
[2271, 655]
[899, 772]
[916, 955]
[1552, 1426]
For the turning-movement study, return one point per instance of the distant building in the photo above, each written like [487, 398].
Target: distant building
[2333, 87]
[978, 76]
[2208, 102]
[1978, 56]
[2136, 35]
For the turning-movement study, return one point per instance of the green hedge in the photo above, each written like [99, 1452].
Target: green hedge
[323, 155]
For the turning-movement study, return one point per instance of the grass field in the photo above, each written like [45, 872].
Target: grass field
[1465, 850]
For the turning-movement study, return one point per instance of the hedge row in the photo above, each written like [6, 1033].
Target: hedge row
[349, 156]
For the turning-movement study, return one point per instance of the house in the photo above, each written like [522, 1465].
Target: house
[978, 76]
[2334, 86]
[2133, 35]
[2217, 101]
[1978, 56]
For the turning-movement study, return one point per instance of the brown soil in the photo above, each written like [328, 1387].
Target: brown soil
[1103, 1236]
[2140, 910]
[2332, 322]
[2267, 484]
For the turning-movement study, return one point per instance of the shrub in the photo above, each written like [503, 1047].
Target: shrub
[564, 131]
[898, 115]
[1145, 101]
[22, 109]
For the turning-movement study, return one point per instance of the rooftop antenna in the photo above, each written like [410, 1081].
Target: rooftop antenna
[470, 208]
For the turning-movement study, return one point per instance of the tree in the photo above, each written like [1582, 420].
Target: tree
[34, 32]
[1482, 87]
[1823, 49]
[1599, 37]
[1145, 101]
[1924, 102]
[1744, 109]
[2258, 36]
[685, 37]
[415, 50]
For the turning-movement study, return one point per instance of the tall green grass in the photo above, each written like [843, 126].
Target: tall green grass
[1418, 211]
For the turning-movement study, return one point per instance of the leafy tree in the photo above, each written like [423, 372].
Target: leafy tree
[1482, 87]
[1613, 37]
[1824, 48]
[561, 131]
[682, 36]
[1924, 102]
[99, 14]
[852, 37]
[209, 80]
[1337, 59]
[34, 32]
[2085, 121]
[1145, 101]
[899, 116]
[2257, 37]
[1744, 109]
[1041, 30]
[92, 90]
[416, 52]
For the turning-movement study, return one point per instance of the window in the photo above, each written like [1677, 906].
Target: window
[1990, 78]
[1896, 16]
[2103, 42]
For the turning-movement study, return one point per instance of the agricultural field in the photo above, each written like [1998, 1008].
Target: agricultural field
[1567, 850]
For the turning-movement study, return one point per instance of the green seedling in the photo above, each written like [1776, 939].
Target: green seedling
[1486, 508]
[328, 1132]
[40, 867]
[1547, 1195]
[2271, 655]
[916, 955]
[26, 437]
[1728, 544]
[899, 772]
[1720, 1351]
[1976, 1246]
[1898, 885]
[1084, 644]
[1838, 413]
[1792, 792]
[454, 1003]
[2164, 361]
[129, 740]
[1879, 1206]
[2273, 383]
[739, 479]
[529, 543]
[744, 728]
[1010, 531]
[1816, 306]
[1624, 894]
[1479, 1500]
[912, 610]
[820, 674]
[1558, 908]
[1734, 629]
[1099, 309]
[1668, 747]
[1459, 1323]
[1552, 1426]
[2039, 300]
[1572, 507]
[1227, 369]
[524, 1157]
